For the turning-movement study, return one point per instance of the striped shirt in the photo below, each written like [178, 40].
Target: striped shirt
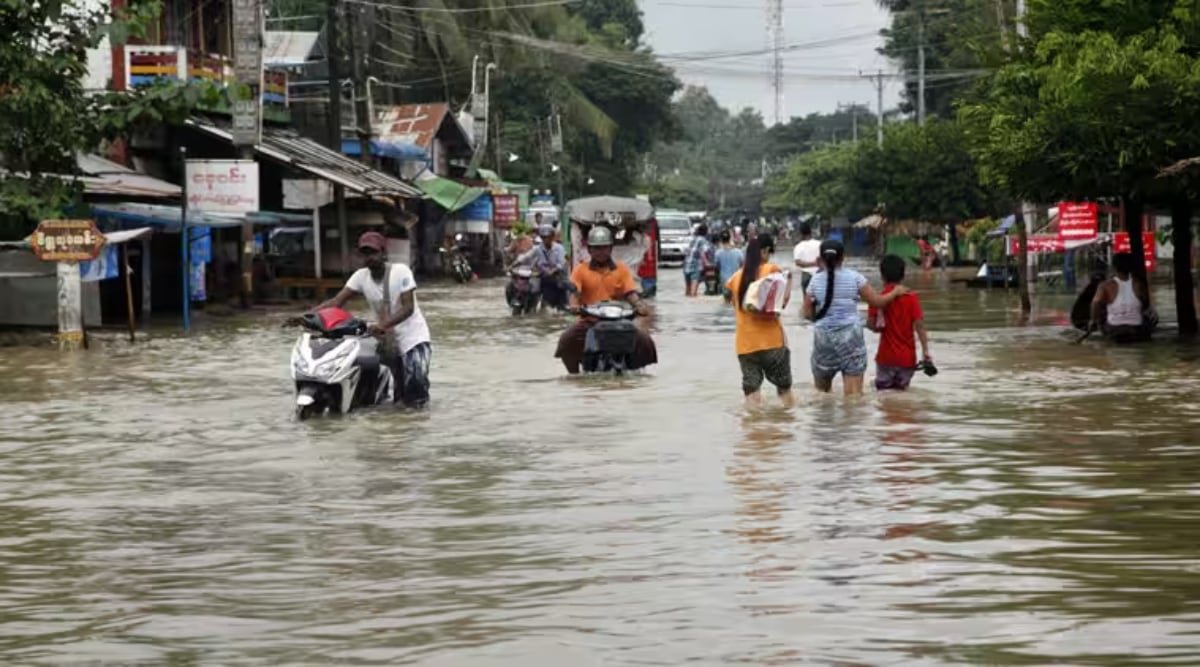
[844, 309]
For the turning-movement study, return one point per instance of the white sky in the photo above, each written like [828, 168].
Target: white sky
[690, 26]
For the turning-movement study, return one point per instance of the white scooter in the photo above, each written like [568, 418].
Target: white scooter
[336, 366]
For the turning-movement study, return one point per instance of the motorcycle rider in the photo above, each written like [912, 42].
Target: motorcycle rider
[602, 279]
[390, 290]
[550, 264]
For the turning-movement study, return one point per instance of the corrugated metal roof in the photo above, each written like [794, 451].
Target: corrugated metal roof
[103, 177]
[415, 124]
[110, 178]
[289, 148]
[288, 48]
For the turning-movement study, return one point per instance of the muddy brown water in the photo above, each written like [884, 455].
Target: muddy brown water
[1036, 503]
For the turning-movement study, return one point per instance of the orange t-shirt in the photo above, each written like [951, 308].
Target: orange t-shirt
[754, 331]
[609, 283]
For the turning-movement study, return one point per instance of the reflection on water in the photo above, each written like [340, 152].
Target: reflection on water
[1035, 503]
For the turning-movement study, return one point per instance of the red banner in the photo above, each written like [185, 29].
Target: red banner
[1038, 243]
[1121, 245]
[1077, 221]
[506, 209]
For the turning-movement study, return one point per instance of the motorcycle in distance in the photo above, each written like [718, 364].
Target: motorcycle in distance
[457, 262]
[336, 366]
[611, 340]
[555, 293]
[521, 296]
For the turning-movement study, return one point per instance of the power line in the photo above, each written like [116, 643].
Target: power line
[460, 10]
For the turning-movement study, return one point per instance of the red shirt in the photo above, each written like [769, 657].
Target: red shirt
[897, 342]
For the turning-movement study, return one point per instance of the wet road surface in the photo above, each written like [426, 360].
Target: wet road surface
[1035, 503]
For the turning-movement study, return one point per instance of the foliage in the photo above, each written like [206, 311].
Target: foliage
[581, 62]
[1114, 110]
[978, 233]
[714, 163]
[920, 173]
[960, 36]
[45, 115]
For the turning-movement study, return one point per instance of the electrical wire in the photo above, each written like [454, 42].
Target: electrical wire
[460, 10]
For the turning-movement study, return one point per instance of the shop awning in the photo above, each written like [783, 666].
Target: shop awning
[301, 153]
[1005, 225]
[169, 216]
[450, 195]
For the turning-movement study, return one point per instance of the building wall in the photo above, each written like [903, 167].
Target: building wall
[33, 302]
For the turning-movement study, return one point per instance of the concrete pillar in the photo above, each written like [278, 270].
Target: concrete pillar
[70, 306]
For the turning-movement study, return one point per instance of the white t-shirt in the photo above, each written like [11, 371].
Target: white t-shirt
[807, 251]
[409, 333]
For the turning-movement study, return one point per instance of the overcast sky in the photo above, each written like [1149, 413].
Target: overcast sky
[832, 41]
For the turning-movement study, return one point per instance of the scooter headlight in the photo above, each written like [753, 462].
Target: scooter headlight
[328, 367]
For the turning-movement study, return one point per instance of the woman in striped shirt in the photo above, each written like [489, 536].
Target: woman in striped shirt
[831, 301]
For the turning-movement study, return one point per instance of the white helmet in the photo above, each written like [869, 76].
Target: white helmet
[599, 235]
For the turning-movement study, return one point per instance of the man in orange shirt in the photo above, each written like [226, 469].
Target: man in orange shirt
[602, 279]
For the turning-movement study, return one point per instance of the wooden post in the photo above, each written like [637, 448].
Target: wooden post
[128, 289]
[146, 303]
[70, 306]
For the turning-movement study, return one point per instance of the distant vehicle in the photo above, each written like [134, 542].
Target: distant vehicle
[676, 230]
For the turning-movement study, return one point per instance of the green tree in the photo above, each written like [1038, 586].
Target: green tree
[45, 115]
[1112, 108]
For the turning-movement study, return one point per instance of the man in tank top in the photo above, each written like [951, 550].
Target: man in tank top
[1122, 302]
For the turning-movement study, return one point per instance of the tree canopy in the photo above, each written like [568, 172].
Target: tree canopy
[46, 116]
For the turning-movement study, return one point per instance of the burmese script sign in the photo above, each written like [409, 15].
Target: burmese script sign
[222, 186]
[67, 241]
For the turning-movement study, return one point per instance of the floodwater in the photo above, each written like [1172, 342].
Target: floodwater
[1037, 503]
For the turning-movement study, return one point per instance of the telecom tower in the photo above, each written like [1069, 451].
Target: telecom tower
[775, 53]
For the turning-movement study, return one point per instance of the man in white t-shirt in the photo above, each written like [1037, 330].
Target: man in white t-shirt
[807, 255]
[406, 348]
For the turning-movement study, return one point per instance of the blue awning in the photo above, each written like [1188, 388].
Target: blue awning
[1005, 225]
[392, 149]
[169, 216]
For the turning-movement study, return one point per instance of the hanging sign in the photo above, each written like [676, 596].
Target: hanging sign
[1077, 222]
[1037, 244]
[506, 209]
[247, 41]
[1121, 245]
[222, 186]
[67, 241]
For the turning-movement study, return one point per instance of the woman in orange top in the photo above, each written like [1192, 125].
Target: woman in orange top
[761, 345]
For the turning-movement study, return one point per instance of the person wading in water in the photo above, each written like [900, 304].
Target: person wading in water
[1121, 307]
[831, 301]
[760, 341]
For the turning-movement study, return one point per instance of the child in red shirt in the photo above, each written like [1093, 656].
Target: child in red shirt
[896, 361]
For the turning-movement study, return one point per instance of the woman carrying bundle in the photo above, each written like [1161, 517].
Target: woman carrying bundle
[832, 303]
[761, 345]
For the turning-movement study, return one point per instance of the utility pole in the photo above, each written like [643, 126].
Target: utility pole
[921, 65]
[853, 109]
[877, 79]
[359, 53]
[333, 60]
[775, 47]
[248, 26]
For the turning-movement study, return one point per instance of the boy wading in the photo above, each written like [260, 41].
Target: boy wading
[896, 360]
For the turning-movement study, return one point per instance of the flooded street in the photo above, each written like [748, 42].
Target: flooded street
[1036, 503]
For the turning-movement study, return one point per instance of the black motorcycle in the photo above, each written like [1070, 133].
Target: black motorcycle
[520, 294]
[555, 292]
[456, 262]
[612, 339]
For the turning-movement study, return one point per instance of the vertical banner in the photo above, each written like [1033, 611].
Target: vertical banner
[1121, 245]
[247, 69]
[1077, 223]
